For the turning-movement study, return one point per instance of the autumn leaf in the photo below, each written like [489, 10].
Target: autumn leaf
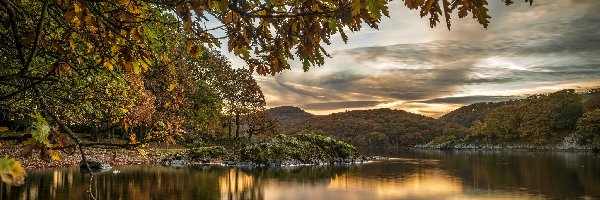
[11, 171]
[171, 87]
[140, 151]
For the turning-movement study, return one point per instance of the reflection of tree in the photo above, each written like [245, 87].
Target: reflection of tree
[132, 183]
[303, 174]
[417, 175]
[554, 174]
[140, 183]
[236, 184]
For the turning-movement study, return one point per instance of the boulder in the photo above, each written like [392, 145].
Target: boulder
[95, 164]
[173, 162]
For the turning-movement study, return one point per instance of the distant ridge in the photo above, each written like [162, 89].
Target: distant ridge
[289, 116]
[379, 128]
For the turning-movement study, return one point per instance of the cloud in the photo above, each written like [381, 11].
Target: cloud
[467, 99]
[549, 43]
[340, 105]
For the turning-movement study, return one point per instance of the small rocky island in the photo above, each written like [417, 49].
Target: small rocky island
[282, 150]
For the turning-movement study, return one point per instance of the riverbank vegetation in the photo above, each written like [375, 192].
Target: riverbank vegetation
[282, 150]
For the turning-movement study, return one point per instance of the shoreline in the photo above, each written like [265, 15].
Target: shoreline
[155, 156]
[516, 148]
[115, 157]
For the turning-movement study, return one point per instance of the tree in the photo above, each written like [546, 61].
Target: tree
[540, 119]
[205, 113]
[593, 101]
[588, 128]
[242, 96]
[501, 124]
[261, 123]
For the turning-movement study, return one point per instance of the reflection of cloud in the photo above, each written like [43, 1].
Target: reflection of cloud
[427, 184]
[560, 44]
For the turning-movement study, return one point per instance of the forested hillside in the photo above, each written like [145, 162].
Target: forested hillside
[289, 115]
[538, 120]
[543, 119]
[380, 128]
[467, 115]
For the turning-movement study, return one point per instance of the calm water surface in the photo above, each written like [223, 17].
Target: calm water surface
[412, 175]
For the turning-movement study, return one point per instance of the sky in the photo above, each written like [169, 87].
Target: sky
[552, 45]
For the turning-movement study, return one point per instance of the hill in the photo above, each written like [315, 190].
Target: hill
[289, 115]
[467, 115]
[380, 128]
[561, 118]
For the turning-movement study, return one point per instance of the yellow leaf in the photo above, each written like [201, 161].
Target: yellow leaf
[75, 21]
[136, 68]
[77, 8]
[172, 87]
[114, 49]
[55, 155]
[132, 138]
[108, 65]
[356, 7]
[3, 129]
[196, 52]
[12, 171]
[124, 110]
[141, 151]
[144, 65]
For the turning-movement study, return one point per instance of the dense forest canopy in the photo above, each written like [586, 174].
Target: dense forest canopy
[380, 129]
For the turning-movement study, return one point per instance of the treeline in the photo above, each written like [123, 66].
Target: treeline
[563, 117]
[380, 128]
[544, 119]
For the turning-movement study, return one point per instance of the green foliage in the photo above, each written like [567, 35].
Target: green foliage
[205, 113]
[12, 172]
[588, 128]
[306, 148]
[199, 153]
[41, 129]
[501, 124]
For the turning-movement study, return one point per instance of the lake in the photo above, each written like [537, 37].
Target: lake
[411, 175]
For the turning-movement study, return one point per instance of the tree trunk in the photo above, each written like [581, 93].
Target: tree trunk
[237, 125]
[229, 127]
[112, 133]
[96, 132]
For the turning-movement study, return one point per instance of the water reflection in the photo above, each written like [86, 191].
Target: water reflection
[416, 175]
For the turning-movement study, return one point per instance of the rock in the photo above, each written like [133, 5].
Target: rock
[95, 164]
[229, 163]
[172, 162]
